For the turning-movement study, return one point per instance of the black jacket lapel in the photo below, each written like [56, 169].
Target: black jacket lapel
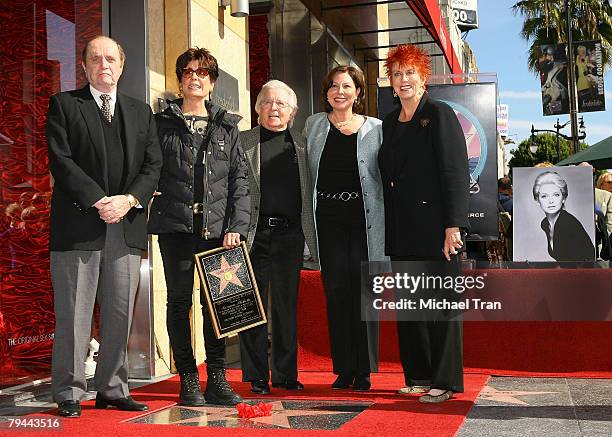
[130, 126]
[387, 153]
[398, 168]
[89, 110]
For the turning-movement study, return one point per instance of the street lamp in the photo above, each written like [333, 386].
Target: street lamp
[571, 62]
[533, 147]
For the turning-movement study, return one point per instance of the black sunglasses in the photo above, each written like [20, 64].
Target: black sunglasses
[201, 72]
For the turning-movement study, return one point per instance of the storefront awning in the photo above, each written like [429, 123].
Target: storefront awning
[428, 12]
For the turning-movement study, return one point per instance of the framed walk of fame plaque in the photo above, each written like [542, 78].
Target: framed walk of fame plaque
[231, 292]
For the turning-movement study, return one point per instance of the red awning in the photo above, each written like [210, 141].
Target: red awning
[428, 12]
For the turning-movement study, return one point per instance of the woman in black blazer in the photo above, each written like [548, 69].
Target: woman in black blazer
[424, 169]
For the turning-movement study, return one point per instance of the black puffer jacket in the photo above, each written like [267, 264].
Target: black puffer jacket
[226, 185]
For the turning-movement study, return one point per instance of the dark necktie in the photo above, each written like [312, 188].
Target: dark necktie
[106, 110]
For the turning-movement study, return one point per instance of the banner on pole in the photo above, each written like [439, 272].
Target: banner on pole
[589, 76]
[552, 65]
[588, 66]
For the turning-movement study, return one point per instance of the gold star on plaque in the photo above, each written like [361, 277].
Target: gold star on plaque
[227, 275]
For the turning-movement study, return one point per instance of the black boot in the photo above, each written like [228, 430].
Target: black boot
[218, 391]
[191, 392]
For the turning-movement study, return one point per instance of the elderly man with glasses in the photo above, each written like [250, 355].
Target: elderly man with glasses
[281, 218]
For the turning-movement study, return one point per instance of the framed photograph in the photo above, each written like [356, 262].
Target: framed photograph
[230, 289]
[554, 217]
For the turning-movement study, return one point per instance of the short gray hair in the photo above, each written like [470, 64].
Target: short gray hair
[277, 85]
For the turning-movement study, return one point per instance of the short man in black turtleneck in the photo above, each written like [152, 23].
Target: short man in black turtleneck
[279, 175]
[281, 218]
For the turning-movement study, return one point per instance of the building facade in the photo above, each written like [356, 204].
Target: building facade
[291, 40]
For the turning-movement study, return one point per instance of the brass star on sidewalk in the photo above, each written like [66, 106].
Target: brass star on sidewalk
[279, 418]
[508, 396]
[227, 275]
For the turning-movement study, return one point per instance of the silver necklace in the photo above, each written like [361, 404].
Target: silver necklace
[341, 124]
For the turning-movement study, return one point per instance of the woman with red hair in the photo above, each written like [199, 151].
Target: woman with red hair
[424, 170]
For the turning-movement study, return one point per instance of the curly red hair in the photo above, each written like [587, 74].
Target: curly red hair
[408, 54]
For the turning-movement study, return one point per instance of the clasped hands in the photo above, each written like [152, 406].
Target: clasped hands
[112, 209]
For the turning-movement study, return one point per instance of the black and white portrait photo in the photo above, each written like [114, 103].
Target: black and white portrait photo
[553, 214]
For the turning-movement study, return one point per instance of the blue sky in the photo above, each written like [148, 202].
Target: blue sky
[500, 49]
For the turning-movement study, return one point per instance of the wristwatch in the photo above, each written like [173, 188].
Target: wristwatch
[132, 200]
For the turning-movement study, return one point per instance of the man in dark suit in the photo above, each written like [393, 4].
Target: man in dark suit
[105, 160]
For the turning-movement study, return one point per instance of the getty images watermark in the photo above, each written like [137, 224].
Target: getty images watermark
[429, 291]
[444, 291]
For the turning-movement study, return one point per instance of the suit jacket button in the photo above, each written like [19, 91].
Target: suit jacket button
[392, 184]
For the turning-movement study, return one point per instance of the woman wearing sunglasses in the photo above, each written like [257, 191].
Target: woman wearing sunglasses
[202, 203]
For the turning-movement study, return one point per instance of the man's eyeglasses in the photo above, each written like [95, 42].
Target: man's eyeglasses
[200, 72]
[279, 104]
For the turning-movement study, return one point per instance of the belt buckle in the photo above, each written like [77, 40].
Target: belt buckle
[198, 208]
[273, 222]
[345, 196]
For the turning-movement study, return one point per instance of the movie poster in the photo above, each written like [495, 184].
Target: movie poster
[588, 68]
[552, 65]
[589, 76]
[475, 107]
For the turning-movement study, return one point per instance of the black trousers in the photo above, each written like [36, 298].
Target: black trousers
[276, 257]
[177, 252]
[431, 352]
[342, 247]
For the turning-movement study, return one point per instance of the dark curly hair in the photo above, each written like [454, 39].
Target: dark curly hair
[204, 58]
[358, 80]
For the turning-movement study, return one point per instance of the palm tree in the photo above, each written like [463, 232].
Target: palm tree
[545, 24]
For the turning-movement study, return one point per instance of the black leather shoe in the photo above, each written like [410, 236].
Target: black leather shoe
[260, 387]
[289, 385]
[69, 409]
[123, 404]
[362, 383]
[342, 382]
